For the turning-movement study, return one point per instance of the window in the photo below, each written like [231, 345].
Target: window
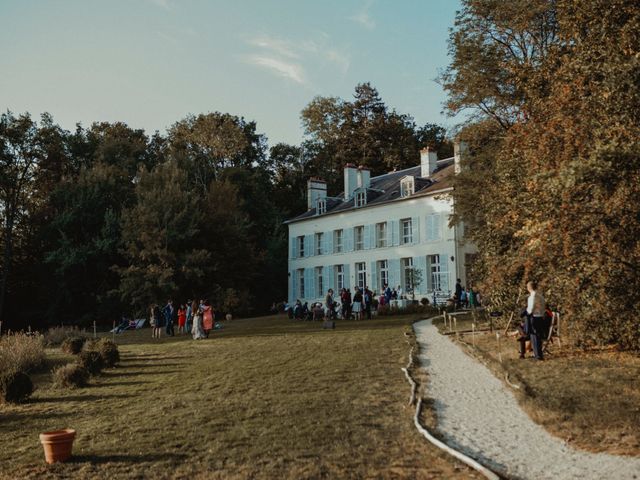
[439, 273]
[361, 198]
[321, 206]
[319, 282]
[383, 273]
[339, 270]
[358, 240]
[319, 243]
[337, 241]
[381, 234]
[361, 272]
[301, 283]
[407, 274]
[301, 246]
[407, 230]
[406, 187]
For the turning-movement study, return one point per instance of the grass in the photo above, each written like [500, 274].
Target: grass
[589, 398]
[263, 398]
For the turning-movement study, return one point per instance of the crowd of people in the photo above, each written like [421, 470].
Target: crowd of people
[193, 317]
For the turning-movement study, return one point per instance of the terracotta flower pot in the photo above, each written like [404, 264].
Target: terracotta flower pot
[57, 444]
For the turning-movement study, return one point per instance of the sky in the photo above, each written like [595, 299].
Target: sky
[150, 63]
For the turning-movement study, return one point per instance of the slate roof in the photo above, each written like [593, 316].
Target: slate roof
[386, 188]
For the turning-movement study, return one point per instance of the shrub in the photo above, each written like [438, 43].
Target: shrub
[56, 335]
[73, 345]
[92, 361]
[15, 387]
[71, 375]
[424, 301]
[21, 353]
[108, 351]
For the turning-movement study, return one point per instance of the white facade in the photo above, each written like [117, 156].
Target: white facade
[371, 244]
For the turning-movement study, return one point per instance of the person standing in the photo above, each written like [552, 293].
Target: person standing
[207, 318]
[536, 309]
[169, 312]
[197, 331]
[156, 321]
[189, 319]
[367, 301]
[330, 304]
[356, 308]
[458, 293]
[182, 318]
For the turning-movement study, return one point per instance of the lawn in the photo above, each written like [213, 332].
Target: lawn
[262, 398]
[590, 398]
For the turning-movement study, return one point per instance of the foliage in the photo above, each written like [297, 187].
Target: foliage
[71, 375]
[91, 360]
[15, 387]
[21, 353]
[57, 335]
[72, 345]
[108, 350]
[554, 159]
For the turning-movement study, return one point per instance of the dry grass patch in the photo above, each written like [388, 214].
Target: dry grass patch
[263, 398]
[588, 398]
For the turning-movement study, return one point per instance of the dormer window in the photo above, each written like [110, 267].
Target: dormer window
[407, 187]
[361, 198]
[321, 206]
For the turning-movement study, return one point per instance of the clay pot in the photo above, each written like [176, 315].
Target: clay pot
[57, 444]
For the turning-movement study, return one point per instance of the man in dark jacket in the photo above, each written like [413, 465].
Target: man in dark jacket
[170, 315]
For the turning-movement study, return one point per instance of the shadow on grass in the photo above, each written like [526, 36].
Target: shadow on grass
[112, 384]
[75, 398]
[118, 458]
[158, 364]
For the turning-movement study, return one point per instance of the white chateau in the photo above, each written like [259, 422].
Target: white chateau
[379, 229]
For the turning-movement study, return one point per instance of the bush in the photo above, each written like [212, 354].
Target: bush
[71, 375]
[73, 345]
[20, 353]
[15, 387]
[108, 351]
[92, 361]
[56, 335]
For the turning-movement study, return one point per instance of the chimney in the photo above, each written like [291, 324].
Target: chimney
[428, 161]
[364, 177]
[316, 188]
[459, 150]
[350, 180]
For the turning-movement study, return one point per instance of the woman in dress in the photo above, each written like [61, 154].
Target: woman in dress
[197, 331]
[182, 318]
[357, 304]
[156, 321]
[207, 318]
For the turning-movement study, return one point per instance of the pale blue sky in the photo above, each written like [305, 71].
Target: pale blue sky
[151, 62]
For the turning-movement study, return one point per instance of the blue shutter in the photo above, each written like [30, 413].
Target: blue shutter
[374, 277]
[444, 272]
[415, 229]
[347, 239]
[420, 263]
[395, 232]
[367, 236]
[328, 243]
[437, 227]
[292, 242]
[394, 273]
[292, 287]
[309, 284]
[329, 278]
[308, 246]
[347, 276]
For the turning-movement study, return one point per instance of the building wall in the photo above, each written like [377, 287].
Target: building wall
[431, 236]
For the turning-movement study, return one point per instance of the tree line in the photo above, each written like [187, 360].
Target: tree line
[103, 220]
[551, 182]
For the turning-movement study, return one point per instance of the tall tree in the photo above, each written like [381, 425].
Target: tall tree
[20, 154]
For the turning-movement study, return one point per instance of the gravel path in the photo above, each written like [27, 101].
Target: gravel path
[480, 417]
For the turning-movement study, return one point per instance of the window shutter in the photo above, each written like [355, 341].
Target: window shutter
[395, 232]
[347, 239]
[389, 236]
[347, 276]
[294, 246]
[309, 284]
[437, 228]
[329, 275]
[420, 263]
[292, 287]
[367, 237]
[374, 277]
[394, 273]
[415, 229]
[328, 243]
[308, 246]
[444, 272]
